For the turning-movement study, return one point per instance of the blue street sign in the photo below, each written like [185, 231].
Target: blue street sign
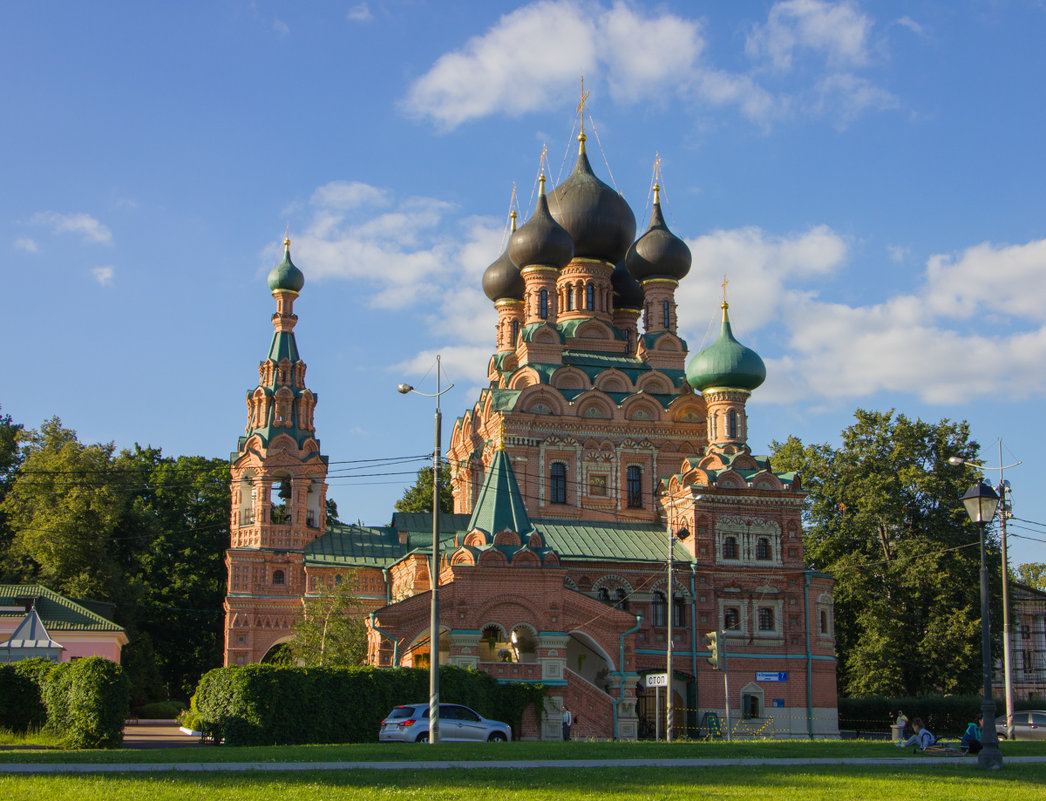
[771, 675]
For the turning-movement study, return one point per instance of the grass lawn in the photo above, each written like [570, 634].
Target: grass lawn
[958, 780]
[383, 752]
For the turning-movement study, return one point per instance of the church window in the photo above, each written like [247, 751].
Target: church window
[824, 622]
[660, 618]
[711, 427]
[679, 611]
[732, 619]
[621, 599]
[558, 483]
[634, 482]
[731, 424]
[590, 297]
[543, 304]
[603, 594]
[277, 577]
[664, 314]
[570, 298]
[762, 549]
[597, 485]
[766, 619]
[515, 331]
[730, 548]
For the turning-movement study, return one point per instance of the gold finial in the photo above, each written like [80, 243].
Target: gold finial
[657, 193]
[501, 433]
[513, 215]
[724, 306]
[657, 178]
[581, 110]
[541, 184]
[287, 237]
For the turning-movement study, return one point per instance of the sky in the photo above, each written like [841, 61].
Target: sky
[869, 176]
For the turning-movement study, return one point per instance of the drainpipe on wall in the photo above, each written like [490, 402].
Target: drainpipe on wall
[388, 586]
[395, 642]
[809, 658]
[693, 630]
[621, 668]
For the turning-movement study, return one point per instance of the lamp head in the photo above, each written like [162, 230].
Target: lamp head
[403, 389]
[956, 461]
[980, 501]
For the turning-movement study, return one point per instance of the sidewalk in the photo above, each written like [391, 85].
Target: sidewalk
[157, 734]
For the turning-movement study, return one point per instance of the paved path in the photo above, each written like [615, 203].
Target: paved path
[207, 767]
[157, 734]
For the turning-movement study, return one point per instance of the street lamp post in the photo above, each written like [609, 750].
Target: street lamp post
[980, 501]
[1007, 634]
[434, 568]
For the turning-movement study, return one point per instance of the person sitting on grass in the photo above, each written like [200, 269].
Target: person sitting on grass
[923, 737]
[971, 740]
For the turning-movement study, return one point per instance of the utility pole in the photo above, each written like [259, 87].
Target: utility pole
[671, 611]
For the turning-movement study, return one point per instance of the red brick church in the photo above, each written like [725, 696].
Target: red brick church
[595, 441]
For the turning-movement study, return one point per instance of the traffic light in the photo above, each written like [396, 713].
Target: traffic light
[713, 649]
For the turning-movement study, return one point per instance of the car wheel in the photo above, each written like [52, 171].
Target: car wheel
[1001, 735]
[497, 737]
[422, 738]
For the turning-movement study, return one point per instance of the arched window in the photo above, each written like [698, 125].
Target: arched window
[543, 304]
[590, 297]
[762, 548]
[621, 599]
[515, 331]
[731, 424]
[731, 619]
[664, 314]
[730, 547]
[277, 577]
[824, 622]
[711, 428]
[660, 619]
[570, 298]
[603, 594]
[557, 485]
[766, 619]
[634, 486]
[679, 611]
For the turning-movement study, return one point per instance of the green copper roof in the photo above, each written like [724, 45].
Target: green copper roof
[285, 276]
[625, 542]
[726, 363]
[355, 546]
[283, 346]
[569, 327]
[56, 612]
[500, 504]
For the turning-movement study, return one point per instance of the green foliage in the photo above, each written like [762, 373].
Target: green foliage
[944, 715]
[884, 517]
[1032, 574]
[331, 632]
[160, 710]
[10, 461]
[21, 708]
[418, 498]
[266, 704]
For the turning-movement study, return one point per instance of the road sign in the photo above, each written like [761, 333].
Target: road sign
[771, 675]
[657, 680]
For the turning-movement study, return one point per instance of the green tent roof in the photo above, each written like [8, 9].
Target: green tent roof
[56, 612]
[500, 504]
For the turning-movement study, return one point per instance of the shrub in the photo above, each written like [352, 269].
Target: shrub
[160, 710]
[21, 707]
[270, 704]
[944, 715]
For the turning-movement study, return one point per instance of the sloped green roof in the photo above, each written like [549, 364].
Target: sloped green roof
[284, 346]
[569, 327]
[625, 542]
[355, 546]
[500, 504]
[56, 612]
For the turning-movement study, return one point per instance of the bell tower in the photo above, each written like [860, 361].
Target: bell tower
[279, 491]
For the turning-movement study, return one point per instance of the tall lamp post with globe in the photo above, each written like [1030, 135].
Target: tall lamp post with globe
[981, 501]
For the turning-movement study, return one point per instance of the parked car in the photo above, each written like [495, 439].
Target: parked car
[410, 724]
[1027, 725]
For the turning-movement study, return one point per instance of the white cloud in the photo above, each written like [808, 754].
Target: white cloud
[838, 30]
[897, 253]
[344, 195]
[459, 362]
[103, 275]
[532, 58]
[360, 13]
[83, 224]
[281, 27]
[911, 24]
[26, 244]
[846, 96]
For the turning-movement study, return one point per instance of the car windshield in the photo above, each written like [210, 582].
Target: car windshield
[401, 712]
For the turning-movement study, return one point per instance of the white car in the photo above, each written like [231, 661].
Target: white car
[410, 724]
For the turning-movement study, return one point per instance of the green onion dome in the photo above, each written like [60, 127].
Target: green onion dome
[541, 240]
[597, 218]
[628, 293]
[502, 279]
[726, 363]
[285, 276]
[658, 253]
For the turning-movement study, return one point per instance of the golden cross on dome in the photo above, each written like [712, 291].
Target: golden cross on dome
[287, 236]
[725, 282]
[657, 178]
[581, 104]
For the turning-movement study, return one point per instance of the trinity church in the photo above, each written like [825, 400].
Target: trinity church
[597, 442]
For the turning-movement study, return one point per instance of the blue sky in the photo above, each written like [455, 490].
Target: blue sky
[869, 175]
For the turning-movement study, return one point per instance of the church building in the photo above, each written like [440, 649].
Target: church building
[597, 448]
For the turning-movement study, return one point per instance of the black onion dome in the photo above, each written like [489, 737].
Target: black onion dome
[541, 240]
[597, 218]
[502, 280]
[628, 293]
[658, 253]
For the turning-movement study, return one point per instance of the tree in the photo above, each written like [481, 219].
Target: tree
[331, 632]
[1032, 574]
[10, 461]
[884, 518]
[418, 498]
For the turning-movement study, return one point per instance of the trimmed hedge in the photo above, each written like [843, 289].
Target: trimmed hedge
[21, 707]
[84, 702]
[276, 705]
[944, 715]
